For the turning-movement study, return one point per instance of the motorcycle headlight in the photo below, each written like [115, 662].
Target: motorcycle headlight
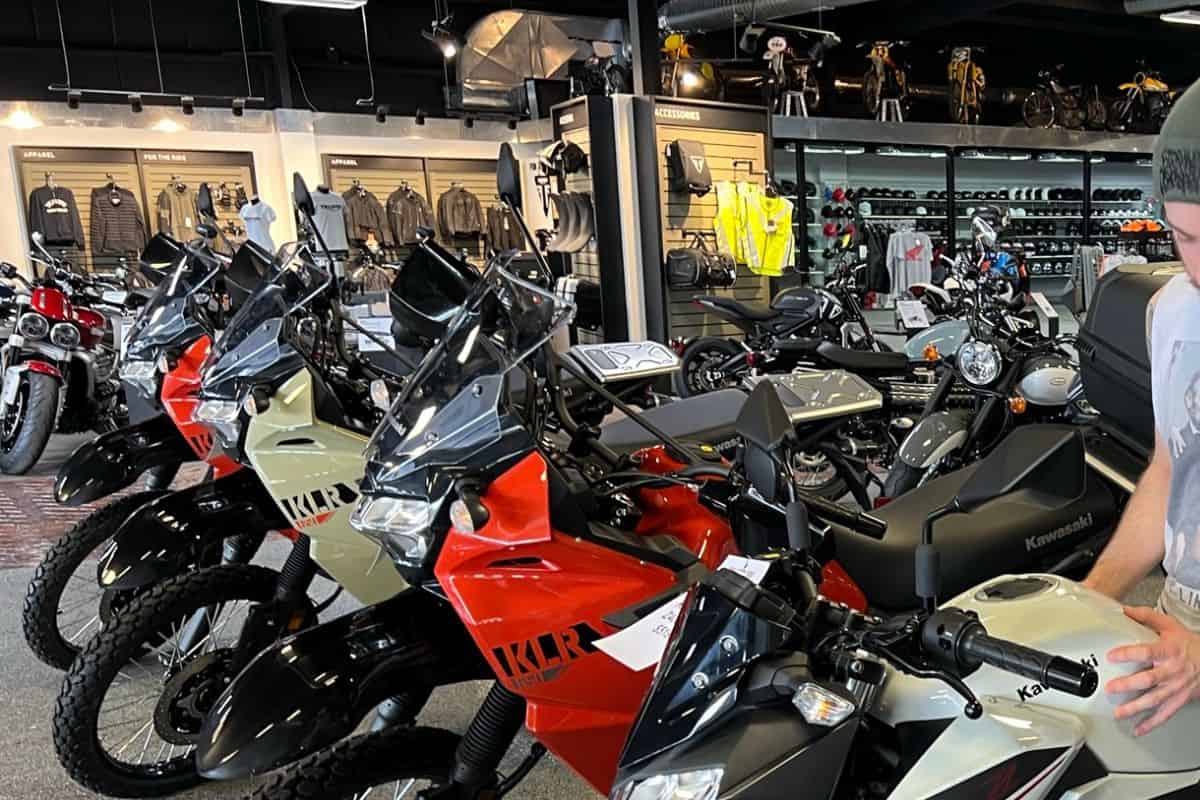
[143, 375]
[979, 363]
[64, 334]
[701, 784]
[400, 523]
[33, 326]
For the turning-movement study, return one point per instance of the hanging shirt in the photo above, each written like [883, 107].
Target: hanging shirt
[177, 215]
[768, 241]
[54, 214]
[909, 259]
[116, 222]
[258, 217]
[330, 219]
[408, 210]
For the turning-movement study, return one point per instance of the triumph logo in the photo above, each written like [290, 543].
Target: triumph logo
[309, 509]
[677, 113]
[698, 163]
[1037, 542]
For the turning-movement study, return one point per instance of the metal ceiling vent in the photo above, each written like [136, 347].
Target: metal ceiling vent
[505, 48]
[715, 15]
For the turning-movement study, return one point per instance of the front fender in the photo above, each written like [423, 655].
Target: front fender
[312, 689]
[933, 438]
[113, 461]
[162, 537]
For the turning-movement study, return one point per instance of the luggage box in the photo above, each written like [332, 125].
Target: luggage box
[1113, 359]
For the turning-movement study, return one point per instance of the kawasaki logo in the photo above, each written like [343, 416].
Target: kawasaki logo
[1031, 690]
[1036, 542]
[309, 509]
[698, 163]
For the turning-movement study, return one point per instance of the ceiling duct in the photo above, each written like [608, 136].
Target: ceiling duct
[506, 48]
[716, 15]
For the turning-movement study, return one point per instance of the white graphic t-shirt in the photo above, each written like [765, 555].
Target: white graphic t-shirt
[1175, 368]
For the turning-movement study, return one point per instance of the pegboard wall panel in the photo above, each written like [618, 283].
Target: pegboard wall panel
[158, 178]
[586, 262]
[81, 176]
[682, 214]
[381, 178]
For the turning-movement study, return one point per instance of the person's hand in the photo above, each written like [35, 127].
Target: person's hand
[1170, 682]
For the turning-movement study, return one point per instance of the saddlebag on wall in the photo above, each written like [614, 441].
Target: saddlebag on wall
[1113, 360]
[697, 267]
[688, 168]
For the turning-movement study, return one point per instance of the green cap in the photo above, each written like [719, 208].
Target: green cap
[1177, 151]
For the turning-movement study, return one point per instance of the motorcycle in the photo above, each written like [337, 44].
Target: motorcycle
[886, 78]
[164, 348]
[1144, 105]
[966, 85]
[1053, 102]
[58, 364]
[994, 694]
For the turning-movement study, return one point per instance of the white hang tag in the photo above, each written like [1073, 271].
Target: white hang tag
[752, 569]
[642, 644]
[381, 327]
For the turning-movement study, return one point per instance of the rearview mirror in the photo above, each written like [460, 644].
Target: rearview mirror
[204, 203]
[1045, 461]
[300, 195]
[764, 425]
[508, 176]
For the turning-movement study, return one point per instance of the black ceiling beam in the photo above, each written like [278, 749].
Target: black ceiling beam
[925, 15]
[1082, 28]
[280, 55]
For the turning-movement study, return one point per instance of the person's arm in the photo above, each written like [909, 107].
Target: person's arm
[1137, 544]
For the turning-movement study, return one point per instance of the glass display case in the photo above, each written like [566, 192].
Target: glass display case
[1123, 217]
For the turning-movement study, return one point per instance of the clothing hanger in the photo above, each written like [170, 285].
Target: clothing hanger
[50, 180]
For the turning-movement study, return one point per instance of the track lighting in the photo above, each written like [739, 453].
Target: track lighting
[73, 98]
[189, 104]
[420, 117]
[239, 106]
[689, 79]
[381, 113]
[135, 103]
[512, 124]
[468, 122]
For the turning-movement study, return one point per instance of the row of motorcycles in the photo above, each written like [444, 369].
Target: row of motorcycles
[496, 523]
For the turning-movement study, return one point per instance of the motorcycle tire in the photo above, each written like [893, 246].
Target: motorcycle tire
[41, 616]
[39, 397]
[694, 355]
[901, 478]
[355, 767]
[1120, 115]
[1038, 110]
[111, 653]
[872, 89]
[1097, 114]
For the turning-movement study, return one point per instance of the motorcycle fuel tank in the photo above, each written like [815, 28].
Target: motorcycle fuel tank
[1047, 380]
[1058, 616]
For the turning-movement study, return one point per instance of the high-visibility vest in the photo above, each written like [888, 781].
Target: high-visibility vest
[727, 223]
[768, 240]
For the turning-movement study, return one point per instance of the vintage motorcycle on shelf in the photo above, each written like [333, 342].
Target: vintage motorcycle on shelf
[1144, 104]
[59, 363]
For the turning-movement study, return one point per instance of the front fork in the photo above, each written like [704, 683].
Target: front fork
[239, 549]
[288, 612]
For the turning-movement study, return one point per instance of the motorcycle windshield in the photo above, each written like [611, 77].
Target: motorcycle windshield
[675, 709]
[168, 318]
[451, 405]
[256, 338]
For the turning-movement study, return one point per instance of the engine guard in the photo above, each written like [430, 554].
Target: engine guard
[932, 439]
[312, 689]
[165, 535]
[115, 460]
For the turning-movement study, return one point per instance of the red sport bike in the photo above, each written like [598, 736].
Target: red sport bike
[59, 361]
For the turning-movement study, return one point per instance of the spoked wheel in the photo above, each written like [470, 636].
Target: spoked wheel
[1070, 114]
[962, 108]
[1120, 114]
[1097, 112]
[395, 764]
[134, 700]
[1038, 109]
[813, 472]
[64, 605]
[871, 91]
[701, 369]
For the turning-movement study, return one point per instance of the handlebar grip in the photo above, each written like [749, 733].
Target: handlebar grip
[1055, 672]
[856, 521]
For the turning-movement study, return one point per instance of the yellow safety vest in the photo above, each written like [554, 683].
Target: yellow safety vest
[727, 222]
[768, 240]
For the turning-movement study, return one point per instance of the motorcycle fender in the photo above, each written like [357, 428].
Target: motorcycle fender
[312, 689]
[115, 460]
[932, 439]
[162, 537]
[12, 379]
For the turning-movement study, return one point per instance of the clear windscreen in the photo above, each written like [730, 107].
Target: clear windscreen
[253, 333]
[166, 317]
[452, 400]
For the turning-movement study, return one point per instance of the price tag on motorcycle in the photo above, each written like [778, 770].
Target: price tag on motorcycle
[1047, 316]
[381, 327]
[912, 314]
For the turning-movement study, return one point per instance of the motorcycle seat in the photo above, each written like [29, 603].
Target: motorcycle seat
[863, 361]
[993, 540]
[756, 313]
[706, 418]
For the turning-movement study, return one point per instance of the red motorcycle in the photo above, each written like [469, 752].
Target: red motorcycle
[59, 362]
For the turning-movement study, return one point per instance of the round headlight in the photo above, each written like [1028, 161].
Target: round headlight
[979, 363]
[64, 334]
[33, 326]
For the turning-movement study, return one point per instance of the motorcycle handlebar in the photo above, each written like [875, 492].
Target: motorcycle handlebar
[1053, 671]
[854, 520]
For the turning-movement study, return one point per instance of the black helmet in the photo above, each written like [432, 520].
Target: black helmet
[909, 194]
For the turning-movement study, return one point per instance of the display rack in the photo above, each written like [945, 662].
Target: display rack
[161, 169]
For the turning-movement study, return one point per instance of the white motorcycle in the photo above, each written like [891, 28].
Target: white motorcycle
[766, 687]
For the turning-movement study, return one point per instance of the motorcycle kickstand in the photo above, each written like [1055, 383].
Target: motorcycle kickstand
[524, 768]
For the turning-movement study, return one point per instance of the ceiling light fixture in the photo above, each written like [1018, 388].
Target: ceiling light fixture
[22, 120]
[850, 150]
[689, 79]
[468, 122]
[1189, 16]
[167, 126]
[439, 32]
[189, 104]
[336, 5]
[239, 106]
[135, 103]
[420, 117]
[73, 99]
[381, 113]
[512, 124]
[889, 150]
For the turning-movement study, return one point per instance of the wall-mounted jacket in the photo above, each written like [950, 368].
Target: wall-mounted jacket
[54, 214]
[116, 221]
[459, 213]
[176, 209]
[408, 210]
[365, 215]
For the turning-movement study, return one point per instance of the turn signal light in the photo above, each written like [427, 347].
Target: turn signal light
[1017, 404]
[931, 352]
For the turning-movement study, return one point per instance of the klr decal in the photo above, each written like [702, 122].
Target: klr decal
[309, 509]
[541, 658]
[1032, 690]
